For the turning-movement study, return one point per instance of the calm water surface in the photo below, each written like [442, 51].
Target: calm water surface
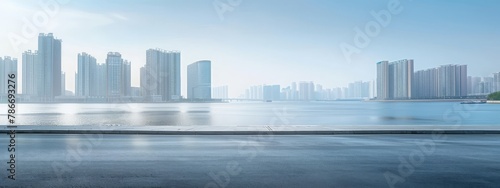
[258, 113]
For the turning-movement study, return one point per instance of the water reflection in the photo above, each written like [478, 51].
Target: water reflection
[247, 114]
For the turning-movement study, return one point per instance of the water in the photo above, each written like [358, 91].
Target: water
[258, 113]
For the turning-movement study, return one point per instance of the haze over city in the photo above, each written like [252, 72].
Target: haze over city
[262, 42]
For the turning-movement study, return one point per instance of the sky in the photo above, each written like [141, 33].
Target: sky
[254, 42]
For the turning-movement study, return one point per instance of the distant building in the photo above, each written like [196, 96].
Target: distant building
[63, 83]
[448, 81]
[306, 91]
[496, 82]
[199, 81]
[161, 76]
[30, 59]
[127, 78]
[48, 67]
[86, 76]
[394, 79]
[271, 92]
[118, 75]
[358, 90]
[8, 66]
[220, 92]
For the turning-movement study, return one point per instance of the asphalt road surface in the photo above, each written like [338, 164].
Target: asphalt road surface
[252, 161]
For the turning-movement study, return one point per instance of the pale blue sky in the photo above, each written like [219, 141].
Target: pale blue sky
[267, 41]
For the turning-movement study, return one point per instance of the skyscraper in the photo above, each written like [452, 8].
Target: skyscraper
[220, 92]
[447, 81]
[117, 75]
[86, 76]
[394, 79]
[306, 91]
[30, 59]
[63, 83]
[271, 92]
[8, 66]
[127, 78]
[48, 68]
[496, 78]
[162, 74]
[383, 80]
[199, 81]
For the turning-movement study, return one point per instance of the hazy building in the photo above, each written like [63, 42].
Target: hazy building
[394, 79]
[358, 90]
[101, 80]
[383, 80]
[8, 66]
[271, 92]
[199, 80]
[162, 74]
[117, 75]
[448, 81]
[63, 83]
[86, 76]
[496, 82]
[126, 78]
[28, 66]
[48, 67]
[220, 92]
[306, 91]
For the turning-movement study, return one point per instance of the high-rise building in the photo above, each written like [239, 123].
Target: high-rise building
[199, 80]
[394, 79]
[117, 75]
[63, 83]
[496, 81]
[162, 74]
[101, 83]
[29, 61]
[86, 77]
[383, 80]
[48, 67]
[127, 79]
[448, 81]
[358, 90]
[306, 91]
[220, 92]
[271, 92]
[8, 66]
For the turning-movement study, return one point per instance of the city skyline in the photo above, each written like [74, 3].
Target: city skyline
[161, 77]
[244, 40]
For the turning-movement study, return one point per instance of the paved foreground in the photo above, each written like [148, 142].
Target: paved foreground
[253, 161]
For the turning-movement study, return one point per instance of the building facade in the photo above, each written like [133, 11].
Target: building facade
[30, 59]
[8, 66]
[48, 67]
[447, 81]
[199, 81]
[161, 76]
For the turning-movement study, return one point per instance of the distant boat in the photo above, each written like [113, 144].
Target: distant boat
[474, 102]
[269, 101]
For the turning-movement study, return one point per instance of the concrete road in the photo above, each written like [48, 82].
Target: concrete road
[252, 161]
